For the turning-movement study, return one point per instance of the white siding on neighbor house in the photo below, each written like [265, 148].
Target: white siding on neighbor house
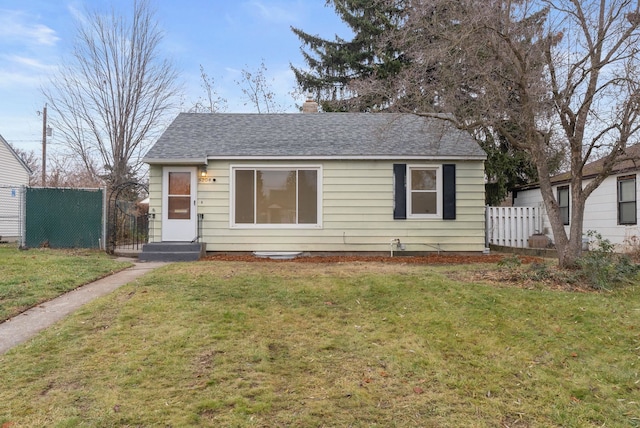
[11, 211]
[600, 214]
[356, 208]
[13, 176]
[12, 172]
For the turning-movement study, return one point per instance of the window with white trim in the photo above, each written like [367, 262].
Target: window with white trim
[627, 200]
[424, 191]
[280, 197]
[563, 204]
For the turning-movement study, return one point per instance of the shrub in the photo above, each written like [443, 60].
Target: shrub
[602, 267]
[511, 261]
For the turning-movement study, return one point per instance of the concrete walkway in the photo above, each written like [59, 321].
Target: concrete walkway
[23, 327]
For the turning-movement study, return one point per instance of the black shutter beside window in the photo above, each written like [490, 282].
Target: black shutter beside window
[449, 191]
[399, 191]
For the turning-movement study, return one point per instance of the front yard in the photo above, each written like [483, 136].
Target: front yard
[226, 343]
[28, 278]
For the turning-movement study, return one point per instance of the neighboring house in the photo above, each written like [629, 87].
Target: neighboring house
[319, 182]
[611, 210]
[14, 174]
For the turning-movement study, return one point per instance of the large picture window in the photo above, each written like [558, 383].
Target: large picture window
[627, 200]
[276, 196]
[424, 191]
[563, 204]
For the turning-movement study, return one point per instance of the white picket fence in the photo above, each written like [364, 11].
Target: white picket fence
[512, 226]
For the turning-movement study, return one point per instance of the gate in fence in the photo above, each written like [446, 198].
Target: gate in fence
[512, 226]
[127, 217]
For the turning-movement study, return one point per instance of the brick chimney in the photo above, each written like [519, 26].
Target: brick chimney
[310, 106]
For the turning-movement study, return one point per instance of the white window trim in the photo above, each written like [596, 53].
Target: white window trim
[281, 167]
[568, 189]
[438, 214]
[619, 180]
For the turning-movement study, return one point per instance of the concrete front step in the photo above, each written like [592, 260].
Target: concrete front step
[172, 252]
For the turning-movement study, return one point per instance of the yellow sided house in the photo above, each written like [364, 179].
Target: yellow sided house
[289, 184]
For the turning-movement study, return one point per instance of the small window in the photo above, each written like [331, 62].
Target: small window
[276, 197]
[627, 200]
[563, 204]
[424, 190]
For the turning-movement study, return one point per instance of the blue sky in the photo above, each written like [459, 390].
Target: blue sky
[224, 36]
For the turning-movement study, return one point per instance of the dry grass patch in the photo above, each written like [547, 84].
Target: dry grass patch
[351, 344]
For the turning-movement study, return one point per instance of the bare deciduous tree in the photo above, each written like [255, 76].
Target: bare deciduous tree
[257, 89]
[535, 71]
[111, 96]
[64, 171]
[212, 102]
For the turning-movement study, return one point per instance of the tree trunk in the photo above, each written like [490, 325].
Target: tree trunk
[569, 248]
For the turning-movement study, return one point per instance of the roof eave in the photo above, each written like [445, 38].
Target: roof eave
[175, 161]
[565, 181]
[352, 157]
[179, 161]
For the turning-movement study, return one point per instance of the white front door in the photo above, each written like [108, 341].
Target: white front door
[179, 203]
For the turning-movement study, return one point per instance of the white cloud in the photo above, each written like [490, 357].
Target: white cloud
[272, 13]
[28, 62]
[42, 35]
[76, 11]
[9, 79]
[15, 27]
[19, 71]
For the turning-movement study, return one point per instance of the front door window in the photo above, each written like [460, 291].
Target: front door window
[179, 196]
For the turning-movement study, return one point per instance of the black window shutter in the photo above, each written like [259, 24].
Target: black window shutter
[399, 191]
[449, 191]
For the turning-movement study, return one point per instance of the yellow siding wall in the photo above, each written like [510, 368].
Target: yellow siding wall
[155, 203]
[357, 212]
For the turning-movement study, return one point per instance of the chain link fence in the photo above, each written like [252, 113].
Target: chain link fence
[64, 218]
[74, 218]
[12, 211]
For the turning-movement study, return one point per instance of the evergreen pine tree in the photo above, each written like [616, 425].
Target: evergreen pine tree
[375, 62]
[334, 63]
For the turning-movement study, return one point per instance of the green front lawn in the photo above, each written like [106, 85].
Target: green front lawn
[28, 278]
[233, 344]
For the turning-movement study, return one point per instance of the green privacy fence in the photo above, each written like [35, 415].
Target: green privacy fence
[64, 218]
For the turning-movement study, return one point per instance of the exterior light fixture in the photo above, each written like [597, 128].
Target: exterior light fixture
[203, 171]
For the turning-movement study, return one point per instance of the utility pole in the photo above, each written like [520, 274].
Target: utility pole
[44, 146]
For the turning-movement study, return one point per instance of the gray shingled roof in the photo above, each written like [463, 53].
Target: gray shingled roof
[198, 136]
